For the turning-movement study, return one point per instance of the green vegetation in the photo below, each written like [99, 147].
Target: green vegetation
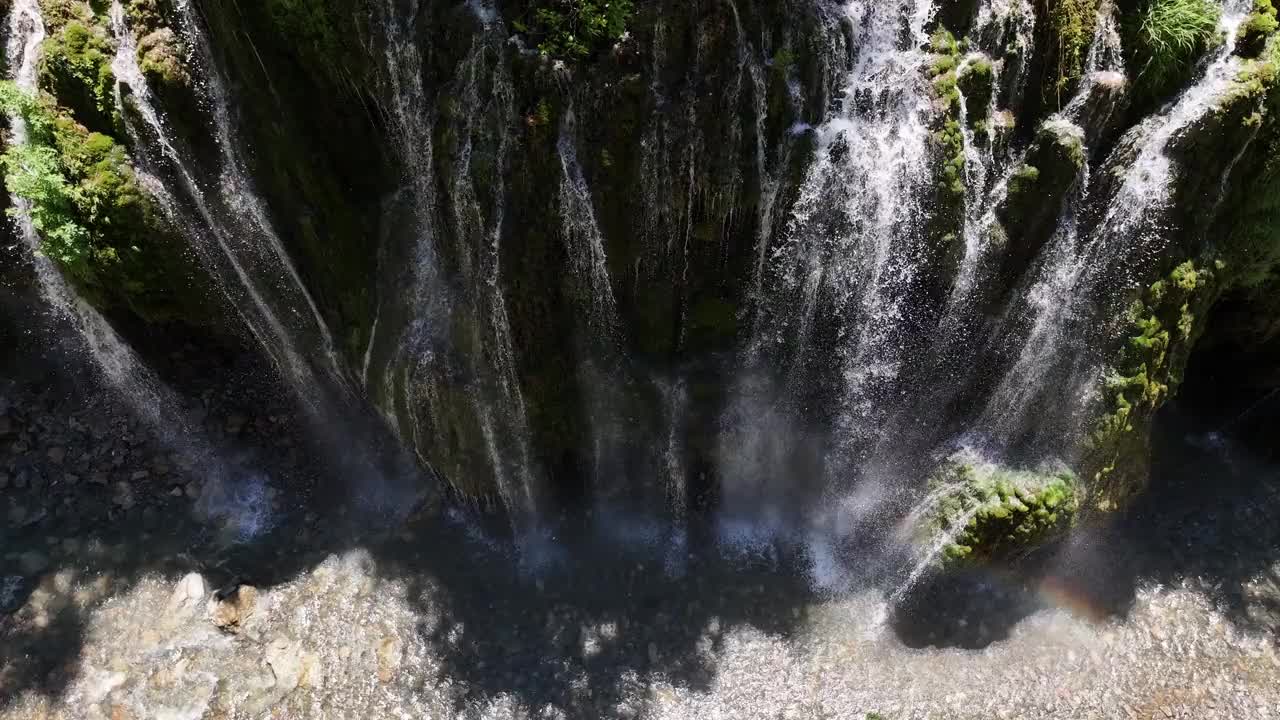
[160, 57]
[1255, 30]
[1024, 180]
[1163, 326]
[576, 29]
[996, 513]
[1167, 37]
[950, 137]
[75, 65]
[1071, 23]
[976, 79]
[93, 218]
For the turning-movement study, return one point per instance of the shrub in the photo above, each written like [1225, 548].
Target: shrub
[84, 200]
[576, 29]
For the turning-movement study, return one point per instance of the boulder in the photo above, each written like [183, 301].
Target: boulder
[990, 512]
[229, 611]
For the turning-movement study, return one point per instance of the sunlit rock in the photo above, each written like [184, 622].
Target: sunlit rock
[991, 512]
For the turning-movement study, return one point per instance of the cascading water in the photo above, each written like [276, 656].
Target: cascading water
[227, 224]
[500, 409]
[109, 353]
[1087, 272]
[849, 254]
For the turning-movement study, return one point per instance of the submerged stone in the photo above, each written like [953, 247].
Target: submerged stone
[992, 512]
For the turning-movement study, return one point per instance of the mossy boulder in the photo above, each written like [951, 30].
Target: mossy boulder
[1260, 25]
[75, 65]
[976, 80]
[1164, 323]
[95, 219]
[994, 513]
[1036, 192]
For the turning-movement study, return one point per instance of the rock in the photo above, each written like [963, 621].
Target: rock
[653, 653]
[6, 425]
[71, 479]
[11, 596]
[389, 657]
[56, 455]
[139, 475]
[235, 422]
[4, 480]
[33, 562]
[188, 593]
[993, 512]
[285, 658]
[1029, 213]
[312, 671]
[232, 610]
[98, 478]
[123, 496]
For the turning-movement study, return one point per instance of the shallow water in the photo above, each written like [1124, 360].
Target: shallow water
[1170, 611]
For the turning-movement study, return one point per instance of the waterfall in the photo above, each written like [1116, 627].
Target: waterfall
[603, 364]
[229, 227]
[1073, 305]
[849, 256]
[853, 244]
[146, 394]
[110, 353]
[501, 411]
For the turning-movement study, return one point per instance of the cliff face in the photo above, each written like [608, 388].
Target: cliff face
[625, 250]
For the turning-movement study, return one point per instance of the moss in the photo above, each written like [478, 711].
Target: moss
[949, 138]
[1024, 180]
[994, 513]
[1254, 31]
[1163, 323]
[75, 66]
[976, 79]
[160, 56]
[93, 217]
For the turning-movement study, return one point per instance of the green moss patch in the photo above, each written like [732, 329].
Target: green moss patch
[1260, 25]
[75, 65]
[1163, 323]
[996, 513]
